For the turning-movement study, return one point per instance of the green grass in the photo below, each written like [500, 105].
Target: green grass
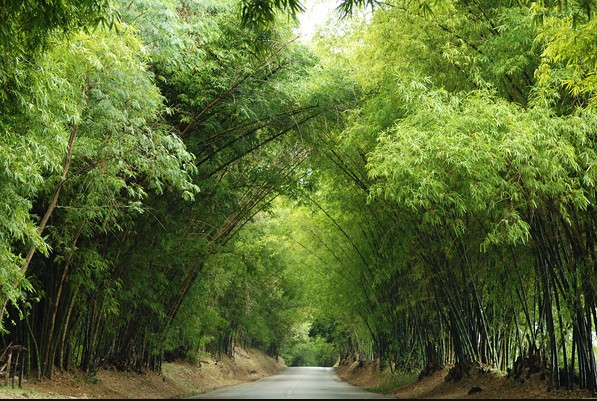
[394, 382]
[92, 379]
[16, 392]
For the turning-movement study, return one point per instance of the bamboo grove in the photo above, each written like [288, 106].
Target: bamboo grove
[417, 183]
[463, 230]
[134, 147]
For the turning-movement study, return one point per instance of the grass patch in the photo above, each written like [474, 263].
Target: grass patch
[393, 382]
[92, 379]
[10, 392]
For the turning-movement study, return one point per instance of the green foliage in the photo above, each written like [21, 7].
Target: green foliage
[28, 28]
[566, 76]
[468, 157]
[244, 292]
[419, 188]
[27, 24]
[307, 350]
[262, 13]
[97, 87]
[315, 352]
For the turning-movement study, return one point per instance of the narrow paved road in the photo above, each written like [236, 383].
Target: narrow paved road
[293, 383]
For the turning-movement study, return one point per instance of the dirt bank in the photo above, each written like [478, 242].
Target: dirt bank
[178, 379]
[182, 379]
[480, 383]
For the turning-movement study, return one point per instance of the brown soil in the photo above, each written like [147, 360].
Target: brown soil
[178, 379]
[183, 379]
[487, 383]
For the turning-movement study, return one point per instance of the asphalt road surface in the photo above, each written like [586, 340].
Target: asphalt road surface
[294, 383]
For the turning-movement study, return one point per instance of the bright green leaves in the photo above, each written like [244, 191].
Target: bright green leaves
[448, 159]
[567, 74]
[417, 149]
[463, 49]
[98, 87]
[479, 156]
[117, 109]
[476, 128]
[171, 33]
[28, 27]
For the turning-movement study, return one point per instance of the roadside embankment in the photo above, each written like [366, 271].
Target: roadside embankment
[177, 379]
[476, 382]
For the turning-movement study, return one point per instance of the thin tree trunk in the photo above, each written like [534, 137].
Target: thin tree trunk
[66, 329]
[57, 189]
[50, 342]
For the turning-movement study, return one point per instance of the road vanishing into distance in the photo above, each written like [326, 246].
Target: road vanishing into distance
[305, 382]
